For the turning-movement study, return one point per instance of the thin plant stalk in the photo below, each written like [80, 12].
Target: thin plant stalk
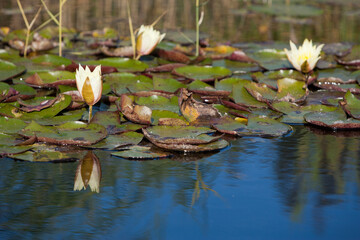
[90, 113]
[132, 36]
[197, 28]
[60, 27]
[28, 26]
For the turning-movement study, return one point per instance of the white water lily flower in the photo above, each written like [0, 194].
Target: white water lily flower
[88, 173]
[305, 58]
[147, 39]
[89, 84]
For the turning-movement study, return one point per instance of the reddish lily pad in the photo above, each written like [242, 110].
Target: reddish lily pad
[23, 92]
[141, 153]
[203, 73]
[70, 133]
[37, 104]
[334, 120]
[336, 84]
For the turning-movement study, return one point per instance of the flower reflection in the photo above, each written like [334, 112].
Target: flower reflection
[88, 173]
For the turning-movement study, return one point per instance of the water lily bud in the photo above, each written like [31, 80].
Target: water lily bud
[88, 173]
[89, 84]
[305, 58]
[147, 39]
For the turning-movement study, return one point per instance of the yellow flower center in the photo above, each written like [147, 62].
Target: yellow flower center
[87, 92]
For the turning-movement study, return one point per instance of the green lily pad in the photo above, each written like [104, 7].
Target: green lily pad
[337, 85]
[128, 83]
[158, 114]
[179, 134]
[11, 125]
[9, 151]
[12, 110]
[140, 152]
[242, 97]
[10, 140]
[351, 105]
[68, 116]
[122, 64]
[9, 70]
[110, 120]
[294, 114]
[271, 59]
[334, 120]
[237, 67]
[51, 60]
[51, 79]
[227, 83]
[119, 140]
[156, 102]
[50, 153]
[70, 133]
[270, 77]
[202, 73]
[167, 84]
[256, 126]
[199, 85]
[295, 10]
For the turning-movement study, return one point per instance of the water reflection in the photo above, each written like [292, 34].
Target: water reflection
[88, 173]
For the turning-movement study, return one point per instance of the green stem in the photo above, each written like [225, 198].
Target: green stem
[60, 28]
[90, 113]
[197, 28]
[26, 41]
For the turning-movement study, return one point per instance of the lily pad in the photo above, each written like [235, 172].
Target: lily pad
[156, 102]
[119, 140]
[256, 126]
[237, 67]
[167, 84]
[271, 59]
[51, 60]
[9, 70]
[334, 120]
[351, 105]
[70, 133]
[140, 152]
[242, 97]
[164, 114]
[122, 64]
[11, 125]
[51, 79]
[294, 114]
[179, 134]
[227, 83]
[203, 73]
[110, 120]
[9, 151]
[11, 110]
[128, 83]
[68, 116]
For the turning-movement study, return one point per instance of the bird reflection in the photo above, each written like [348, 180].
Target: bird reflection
[88, 173]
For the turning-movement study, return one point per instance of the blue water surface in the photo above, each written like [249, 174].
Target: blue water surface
[302, 186]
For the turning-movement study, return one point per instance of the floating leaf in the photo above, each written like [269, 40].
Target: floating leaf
[119, 140]
[335, 120]
[271, 59]
[351, 105]
[9, 70]
[167, 84]
[203, 73]
[9, 151]
[66, 117]
[237, 67]
[256, 126]
[71, 133]
[51, 60]
[156, 102]
[11, 125]
[172, 118]
[109, 120]
[135, 113]
[140, 152]
[51, 79]
[122, 64]
[242, 96]
[128, 83]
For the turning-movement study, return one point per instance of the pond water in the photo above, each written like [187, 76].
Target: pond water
[303, 186]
